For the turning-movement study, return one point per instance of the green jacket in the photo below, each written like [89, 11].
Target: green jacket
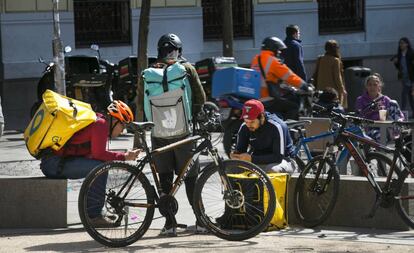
[197, 90]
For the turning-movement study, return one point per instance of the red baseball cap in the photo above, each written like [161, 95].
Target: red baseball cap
[252, 109]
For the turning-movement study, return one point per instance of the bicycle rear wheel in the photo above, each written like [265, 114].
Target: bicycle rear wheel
[315, 195]
[405, 196]
[127, 204]
[239, 213]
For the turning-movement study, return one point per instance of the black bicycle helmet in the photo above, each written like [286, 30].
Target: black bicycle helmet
[273, 44]
[169, 39]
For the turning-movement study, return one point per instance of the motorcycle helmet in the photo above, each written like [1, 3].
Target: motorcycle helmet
[273, 44]
[167, 43]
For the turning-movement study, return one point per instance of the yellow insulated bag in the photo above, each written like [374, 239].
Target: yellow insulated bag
[247, 215]
[280, 184]
[54, 123]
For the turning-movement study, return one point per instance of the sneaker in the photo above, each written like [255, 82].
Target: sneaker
[200, 229]
[170, 232]
[102, 222]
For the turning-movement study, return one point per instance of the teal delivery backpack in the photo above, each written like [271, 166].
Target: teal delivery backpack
[167, 100]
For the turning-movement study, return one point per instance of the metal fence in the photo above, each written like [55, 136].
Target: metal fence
[106, 22]
[338, 16]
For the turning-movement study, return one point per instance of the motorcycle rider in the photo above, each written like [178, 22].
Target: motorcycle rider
[273, 73]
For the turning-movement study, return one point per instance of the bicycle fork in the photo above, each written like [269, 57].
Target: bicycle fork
[231, 197]
[315, 186]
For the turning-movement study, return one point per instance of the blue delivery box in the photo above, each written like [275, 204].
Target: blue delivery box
[236, 81]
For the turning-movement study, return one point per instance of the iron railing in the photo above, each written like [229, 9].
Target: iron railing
[213, 19]
[105, 22]
[338, 16]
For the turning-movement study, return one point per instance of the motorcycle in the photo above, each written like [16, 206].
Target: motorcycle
[88, 78]
[125, 87]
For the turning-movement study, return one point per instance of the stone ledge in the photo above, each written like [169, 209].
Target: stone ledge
[33, 202]
[355, 200]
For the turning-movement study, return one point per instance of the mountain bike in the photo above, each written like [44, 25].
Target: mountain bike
[302, 151]
[317, 187]
[129, 199]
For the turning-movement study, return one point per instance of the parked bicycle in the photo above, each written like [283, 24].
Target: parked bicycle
[130, 198]
[303, 153]
[317, 187]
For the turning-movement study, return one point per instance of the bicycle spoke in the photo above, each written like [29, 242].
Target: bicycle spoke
[240, 213]
[405, 197]
[122, 219]
[316, 197]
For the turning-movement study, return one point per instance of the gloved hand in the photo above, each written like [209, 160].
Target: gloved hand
[307, 87]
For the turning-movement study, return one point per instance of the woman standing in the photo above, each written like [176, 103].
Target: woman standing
[404, 62]
[329, 71]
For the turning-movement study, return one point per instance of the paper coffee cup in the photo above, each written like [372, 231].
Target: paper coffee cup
[382, 115]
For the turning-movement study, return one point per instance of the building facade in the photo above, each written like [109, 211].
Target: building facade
[367, 30]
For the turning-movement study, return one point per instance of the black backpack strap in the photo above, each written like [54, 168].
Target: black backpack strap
[273, 88]
[259, 61]
[165, 79]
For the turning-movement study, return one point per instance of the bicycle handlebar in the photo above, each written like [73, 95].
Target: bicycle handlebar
[343, 118]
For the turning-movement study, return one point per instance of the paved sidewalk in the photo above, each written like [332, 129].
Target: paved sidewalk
[16, 161]
[289, 240]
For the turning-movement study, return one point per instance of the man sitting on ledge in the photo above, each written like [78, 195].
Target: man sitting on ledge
[268, 137]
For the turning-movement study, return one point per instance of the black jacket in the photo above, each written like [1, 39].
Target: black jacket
[267, 142]
[293, 57]
[410, 65]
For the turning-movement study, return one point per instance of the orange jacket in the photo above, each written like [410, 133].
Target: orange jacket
[275, 71]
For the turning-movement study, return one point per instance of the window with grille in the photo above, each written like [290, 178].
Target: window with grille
[213, 19]
[104, 22]
[338, 16]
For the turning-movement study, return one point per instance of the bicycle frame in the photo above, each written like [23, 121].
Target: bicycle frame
[302, 144]
[349, 139]
[183, 172]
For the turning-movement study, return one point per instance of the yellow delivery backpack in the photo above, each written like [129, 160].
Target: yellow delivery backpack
[256, 197]
[54, 123]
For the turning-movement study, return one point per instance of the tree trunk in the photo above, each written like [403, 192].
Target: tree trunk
[58, 56]
[227, 13]
[142, 61]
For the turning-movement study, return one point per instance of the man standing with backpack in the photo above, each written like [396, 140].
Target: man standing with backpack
[172, 94]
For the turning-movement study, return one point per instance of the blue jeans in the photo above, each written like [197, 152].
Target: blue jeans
[406, 96]
[76, 168]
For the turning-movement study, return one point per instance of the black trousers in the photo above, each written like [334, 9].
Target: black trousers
[170, 163]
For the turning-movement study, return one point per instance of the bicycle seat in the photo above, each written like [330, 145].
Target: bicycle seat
[297, 123]
[141, 126]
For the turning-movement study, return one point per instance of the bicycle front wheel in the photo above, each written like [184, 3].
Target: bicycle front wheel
[316, 191]
[241, 211]
[116, 204]
[405, 196]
